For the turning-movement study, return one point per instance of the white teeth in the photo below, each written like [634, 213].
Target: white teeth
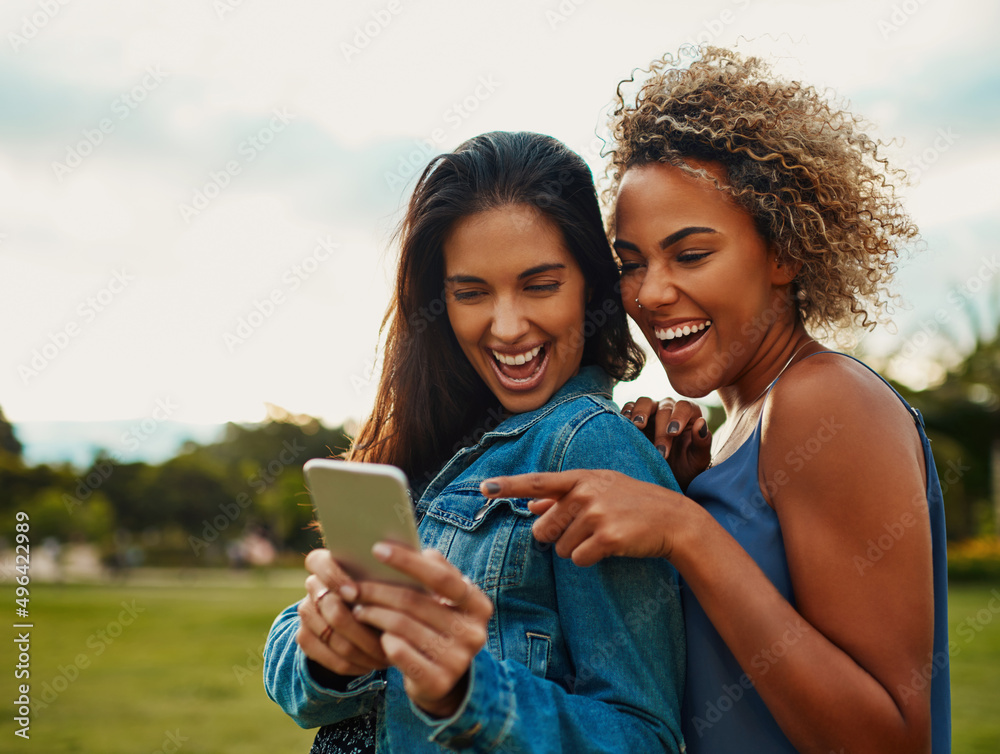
[679, 332]
[521, 358]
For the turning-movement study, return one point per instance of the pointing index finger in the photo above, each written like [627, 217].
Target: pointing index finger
[540, 484]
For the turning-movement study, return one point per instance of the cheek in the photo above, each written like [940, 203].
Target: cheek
[463, 324]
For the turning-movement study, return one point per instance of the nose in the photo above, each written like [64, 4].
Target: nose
[658, 287]
[510, 321]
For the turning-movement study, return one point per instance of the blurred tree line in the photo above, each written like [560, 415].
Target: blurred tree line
[188, 510]
[191, 509]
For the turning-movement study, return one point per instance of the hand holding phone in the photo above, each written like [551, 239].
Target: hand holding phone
[359, 504]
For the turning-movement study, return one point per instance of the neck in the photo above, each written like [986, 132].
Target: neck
[766, 364]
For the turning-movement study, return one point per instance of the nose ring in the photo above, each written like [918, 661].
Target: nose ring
[638, 304]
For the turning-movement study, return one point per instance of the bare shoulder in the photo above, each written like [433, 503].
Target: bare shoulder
[835, 410]
[830, 384]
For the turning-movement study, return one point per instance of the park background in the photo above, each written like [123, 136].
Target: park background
[198, 199]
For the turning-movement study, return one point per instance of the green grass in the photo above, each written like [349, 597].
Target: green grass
[974, 627]
[189, 664]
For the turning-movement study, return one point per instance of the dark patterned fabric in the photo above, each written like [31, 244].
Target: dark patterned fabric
[354, 736]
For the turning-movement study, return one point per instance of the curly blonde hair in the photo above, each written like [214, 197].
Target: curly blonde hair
[815, 183]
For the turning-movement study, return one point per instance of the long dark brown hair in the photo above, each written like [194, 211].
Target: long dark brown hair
[430, 400]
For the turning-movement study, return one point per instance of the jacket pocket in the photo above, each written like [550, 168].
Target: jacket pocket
[488, 540]
[538, 653]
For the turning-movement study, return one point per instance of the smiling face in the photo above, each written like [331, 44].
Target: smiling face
[516, 299]
[710, 291]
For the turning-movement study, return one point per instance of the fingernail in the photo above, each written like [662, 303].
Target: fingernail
[703, 432]
[662, 449]
[491, 488]
[639, 419]
[349, 592]
[673, 427]
[356, 610]
[382, 551]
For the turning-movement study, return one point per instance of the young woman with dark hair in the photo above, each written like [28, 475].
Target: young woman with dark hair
[504, 338]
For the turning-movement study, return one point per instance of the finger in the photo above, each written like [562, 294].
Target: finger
[427, 608]
[627, 409]
[551, 525]
[643, 409]
[538, 507]
[431, 569]
[322, 564]
[542, 484]
[423, 674]
[673, 420]
[332, 613]
[316, 650]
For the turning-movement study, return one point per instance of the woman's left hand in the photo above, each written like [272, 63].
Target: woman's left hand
[431, 637]
[594, 514]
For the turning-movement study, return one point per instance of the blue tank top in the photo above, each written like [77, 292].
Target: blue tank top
[722, 712]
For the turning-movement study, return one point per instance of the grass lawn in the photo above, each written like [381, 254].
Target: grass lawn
[144, 669]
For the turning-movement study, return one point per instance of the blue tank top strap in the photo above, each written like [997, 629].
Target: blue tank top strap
[915, 413]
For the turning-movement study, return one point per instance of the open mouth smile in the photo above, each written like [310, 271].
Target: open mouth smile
[522, 371]
[677, 342]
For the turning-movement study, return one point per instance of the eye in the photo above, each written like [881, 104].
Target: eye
[543, 287]
[692, 256]
[470, 295]
[629, 266]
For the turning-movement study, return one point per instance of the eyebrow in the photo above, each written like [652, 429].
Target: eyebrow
[530, 272]
[669, 240]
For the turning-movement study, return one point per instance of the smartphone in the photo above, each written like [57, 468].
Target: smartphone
[359, 504]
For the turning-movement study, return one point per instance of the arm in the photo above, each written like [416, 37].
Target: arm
[842, 472]
[298, 687]
[868, 629]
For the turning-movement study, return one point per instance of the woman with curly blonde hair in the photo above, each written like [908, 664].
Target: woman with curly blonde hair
[752, 216]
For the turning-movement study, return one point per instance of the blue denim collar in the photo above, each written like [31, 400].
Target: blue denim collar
[590, 380]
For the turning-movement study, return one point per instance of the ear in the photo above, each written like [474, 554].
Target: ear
[783, 271]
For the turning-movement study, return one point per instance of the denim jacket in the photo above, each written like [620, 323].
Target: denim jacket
[576, 659]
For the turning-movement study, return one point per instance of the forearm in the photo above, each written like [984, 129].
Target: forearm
[507, 709]
[307, 699]
[822, 699]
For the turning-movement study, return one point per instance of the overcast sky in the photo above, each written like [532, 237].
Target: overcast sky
[197, 196]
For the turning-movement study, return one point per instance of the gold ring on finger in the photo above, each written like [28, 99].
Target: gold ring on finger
[326, 634]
